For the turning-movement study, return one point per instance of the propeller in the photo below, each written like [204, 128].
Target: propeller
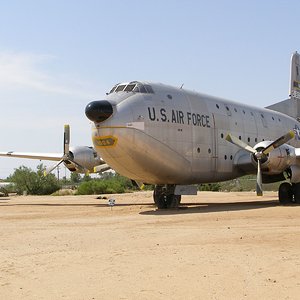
[260, 154]
[67, 155]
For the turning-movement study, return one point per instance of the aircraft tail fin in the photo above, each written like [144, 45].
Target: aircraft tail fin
[291, 106]
[295, 76]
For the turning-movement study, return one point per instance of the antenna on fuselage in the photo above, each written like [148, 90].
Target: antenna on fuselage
[182, 86]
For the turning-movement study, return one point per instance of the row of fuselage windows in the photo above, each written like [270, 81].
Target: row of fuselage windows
[244, 112]
[240, 138]
[209, 151]
[135, 87]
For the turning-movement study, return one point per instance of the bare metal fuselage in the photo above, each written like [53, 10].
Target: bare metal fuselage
[174, 136]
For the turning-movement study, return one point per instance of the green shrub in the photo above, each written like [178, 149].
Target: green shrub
[109, 184]
[212, 187]
[33, 183]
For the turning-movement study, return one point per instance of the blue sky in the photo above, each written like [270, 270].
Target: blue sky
[56, 56]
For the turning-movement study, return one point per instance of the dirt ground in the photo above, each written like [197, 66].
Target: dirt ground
[216, 246]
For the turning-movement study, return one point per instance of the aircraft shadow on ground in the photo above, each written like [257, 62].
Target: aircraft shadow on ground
[78, 204]
[185, 208]
[190, 208]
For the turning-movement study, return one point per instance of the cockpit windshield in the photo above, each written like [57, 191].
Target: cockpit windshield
[134, 86]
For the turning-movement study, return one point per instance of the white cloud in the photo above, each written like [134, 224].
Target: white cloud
[28, 71]
[37, 97]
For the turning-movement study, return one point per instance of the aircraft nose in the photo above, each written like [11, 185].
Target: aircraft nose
[98, 111]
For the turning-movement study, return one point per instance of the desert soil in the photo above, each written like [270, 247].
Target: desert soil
[216, 246]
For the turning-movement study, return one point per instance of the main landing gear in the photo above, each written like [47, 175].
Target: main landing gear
[289, 193]
[164, 196]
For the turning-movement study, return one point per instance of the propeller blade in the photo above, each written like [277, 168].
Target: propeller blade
[101, 168]
[280, 141]
[259, 191]
[50, 169]
[235, 141]
[66, 139]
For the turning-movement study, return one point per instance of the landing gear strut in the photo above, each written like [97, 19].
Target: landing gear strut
[289, 193]
[164, 197]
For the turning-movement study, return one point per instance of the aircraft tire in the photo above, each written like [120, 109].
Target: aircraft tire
[285, 193]
[160, 198]
[297, 193]
[173, 201]
[162, 203]
[164, 200]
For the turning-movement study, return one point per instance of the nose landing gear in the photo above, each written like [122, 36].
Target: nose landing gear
[164, 197]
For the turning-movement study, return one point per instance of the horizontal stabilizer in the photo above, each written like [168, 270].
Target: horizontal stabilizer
[291, 106]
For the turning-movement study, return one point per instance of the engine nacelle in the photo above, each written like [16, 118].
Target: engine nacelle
[85, 158]
[278, 160]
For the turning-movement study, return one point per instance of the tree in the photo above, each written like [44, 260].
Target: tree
[75, 177]
[34, 183]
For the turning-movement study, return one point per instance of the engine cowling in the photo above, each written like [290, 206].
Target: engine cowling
[83, 159]
[278, 160]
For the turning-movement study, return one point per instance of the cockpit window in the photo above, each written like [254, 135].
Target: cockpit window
[134, 86]
[149, 89]
[113, 89]
[136, 89]
[129, 87]
[120, 88]
[140, 89]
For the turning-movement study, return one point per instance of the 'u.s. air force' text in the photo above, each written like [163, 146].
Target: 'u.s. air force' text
[178, 117]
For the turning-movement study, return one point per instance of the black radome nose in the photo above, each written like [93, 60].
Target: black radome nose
[98, 111]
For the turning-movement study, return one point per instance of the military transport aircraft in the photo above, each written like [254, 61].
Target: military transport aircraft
[174, 138]
[80, 159]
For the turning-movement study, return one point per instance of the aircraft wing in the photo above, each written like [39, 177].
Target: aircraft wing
[32, 155]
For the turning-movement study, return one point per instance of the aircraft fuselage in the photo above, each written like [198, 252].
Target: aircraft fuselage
[175, 136]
